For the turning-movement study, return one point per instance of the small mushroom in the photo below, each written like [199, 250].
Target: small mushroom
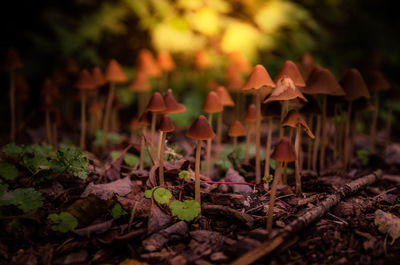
[155, 105]
[148, 64]
[235, 131]
[199, 130]
[141, 85]
[167, 65]
[165, 127]
[144, 121]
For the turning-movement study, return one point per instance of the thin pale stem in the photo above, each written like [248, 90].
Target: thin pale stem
[219, 135]
[197, 173]
[273, 196]
[234, 147]
[353, 135]
[106, 121]
[284, 111]
[258, 136]
[208, 151]
[161, 159]
[346, 136]
[142, 143]
[323, 134]
[247, 150]
[309, 146]
[83, 120]
[297, 169]
[268, 148]
[152, 132]
[316, 143]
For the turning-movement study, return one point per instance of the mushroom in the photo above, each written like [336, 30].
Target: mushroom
[199, 130]
[144, 121]
[50, 92]
[141, 85]
[165, 127]
[322, 82]
[250, 118]
[283, 152]
[84, 84]
[12, 62]
[294, 119]
[306, 65]
[235, 131]
[166, 63]
[148, 64]
[94, 116]
[235, 82]
[353, 84]
[113, 75]
[226, 100]
[98, 77]
[155, 105]
[211, 104]
[259, 78]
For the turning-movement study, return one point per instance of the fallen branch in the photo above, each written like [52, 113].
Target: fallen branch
[226, 211]
[303, 221]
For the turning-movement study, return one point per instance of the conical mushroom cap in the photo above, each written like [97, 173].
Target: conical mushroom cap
[145, 118]
[156, 103]
[239, 61]
[140, 83]
[98, 77]
[376, 81]
[21, 88]
[362, 104]
[321, 81]
[258, 78]
[48, 88]
[272, 109]
[224, 96]
[293, 118]
[94, 107]
[200, 129]
[237, 129]
[171, 104]
[353, 84]
[165, 61]
[12, 60]
[306, 66]
[284, 151]
[85, 81]
[201, 60]
[234, 78]
[212, 103]
[114, 72]
[148, 64]
[166, 124]
[251, 114]
[289, 69]
[285, 90]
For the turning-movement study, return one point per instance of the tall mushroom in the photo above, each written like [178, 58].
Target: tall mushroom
[294, 119]
[156, 105]
[306, 65]
[211, 104]
[165, 127]
[50, 93]
[199, 130]
[258, 79]
[94, 116]
[236, 130]
[250, 118]
[144, 121]
[283, 152]
[226, 101]
[141, 85]
[166, 64]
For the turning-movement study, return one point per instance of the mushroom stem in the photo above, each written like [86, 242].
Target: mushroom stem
[353, 135]
[309, 146]
[296, 163]
[316, 143]
[219, 134]
[234, 147]
[159, 143]
[272, 197]
[268, 148]
[153, 131]
[284, 111]
[341, 135]
[106, 120]
[161, 159]
[374, 122]
[142, 143]
[323, 134]
[246, 154]
[83, 120]
[197, 173]
[336, 130]
[258, 136]
[346, 136]
[12, 105]
[55, 136]
[48, 127]
[389, 123]
[285, 164]
[208, 151]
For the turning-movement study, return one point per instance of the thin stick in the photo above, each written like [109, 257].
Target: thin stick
[374, 122]
[106, 121]
[83, 120]
[153, 131]
[296, 163]
[161, 159]
[12, 105]
[219, 135]
[346, 136]
[208, 151]
[197, 173]
[273, 196]
[142, 143]
[268, 148]
[316, 143]
[48, 127]
[258, 136]
[323, 134]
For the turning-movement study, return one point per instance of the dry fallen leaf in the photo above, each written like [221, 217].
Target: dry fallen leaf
[120, 187]
[388, 223]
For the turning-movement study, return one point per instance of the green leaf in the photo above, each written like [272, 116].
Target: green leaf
[162, 195]
[131, 160]
[12, 149]
[114, 138]
[185, 175]
[117, 211]
[149, 193]
[114, 154]
[63, 222]
[8, 171]
[187, 210]
[25, 199]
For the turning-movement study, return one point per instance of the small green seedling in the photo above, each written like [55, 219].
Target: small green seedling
[267, 179]
[184, 175]
[8, 171]
[63, 222]
[26, 199]
[186, 210]
[117, 211]
[161, 195]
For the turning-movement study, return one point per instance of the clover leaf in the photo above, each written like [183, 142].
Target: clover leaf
[162, 196]
[186, 210]
[63, 222]
[8, 171]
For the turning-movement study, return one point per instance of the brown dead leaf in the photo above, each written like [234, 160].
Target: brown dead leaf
[106, 191]
[94, 229]
[388, 223]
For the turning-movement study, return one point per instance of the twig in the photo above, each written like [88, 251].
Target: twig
[220, 209]
[132, 215]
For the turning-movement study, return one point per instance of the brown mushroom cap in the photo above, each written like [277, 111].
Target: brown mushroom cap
[212, 103]
[48, 104]
[156, 103]
[258, 78]
[98, 77]
[353, 84]
[200, 129]
[239, 61]
[224, 96]
[202, 60]
[234, 78]
[237, 129]
[172, 106]
[12, 60]
[94, 107]
[145, 118]
[289, 69]
[148, 64]
[85, 81]
[272, 109]
[166, 124]
[376, 81]
[293, 118]
[306, 66]
[251, 114]
[114, 72]
[140, 83]
[165, 61]
[322, 81]
[284, 151]
[285, 90]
